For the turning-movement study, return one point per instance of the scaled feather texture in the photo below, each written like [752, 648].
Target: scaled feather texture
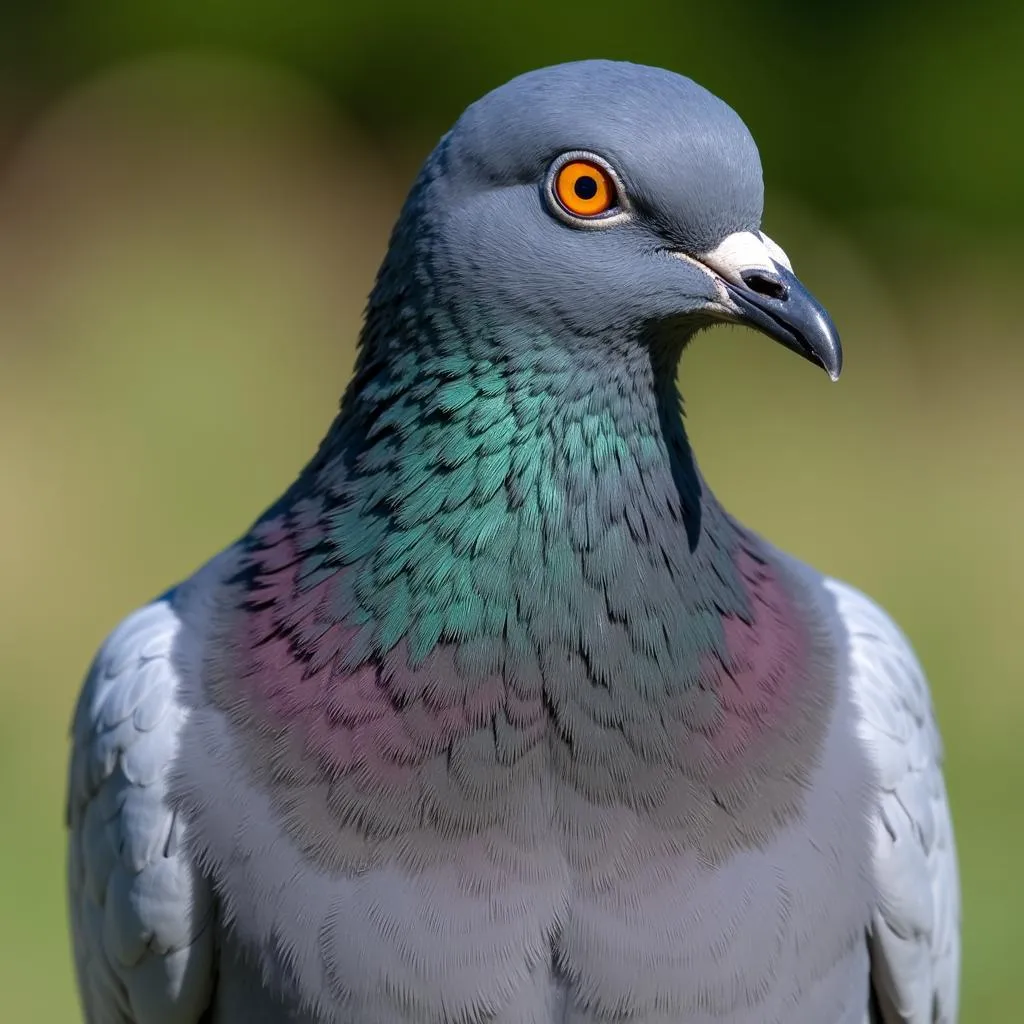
[496, 715]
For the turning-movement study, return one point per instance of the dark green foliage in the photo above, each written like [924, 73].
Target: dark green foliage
[897, 100]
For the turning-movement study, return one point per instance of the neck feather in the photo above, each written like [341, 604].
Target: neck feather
[504, 557]
[503, 490]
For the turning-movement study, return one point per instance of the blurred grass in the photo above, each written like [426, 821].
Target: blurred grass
[185, 249]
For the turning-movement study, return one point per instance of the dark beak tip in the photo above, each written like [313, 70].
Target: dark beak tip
[827, 347]
[820, 343]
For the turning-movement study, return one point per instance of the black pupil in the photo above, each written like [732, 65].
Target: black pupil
[585, 187]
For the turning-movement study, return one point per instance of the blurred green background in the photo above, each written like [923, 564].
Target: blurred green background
[193, 200]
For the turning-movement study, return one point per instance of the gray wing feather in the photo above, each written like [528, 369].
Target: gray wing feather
[915, 936]
[141, 914]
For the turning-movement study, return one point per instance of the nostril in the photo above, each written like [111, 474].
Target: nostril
[764, 282]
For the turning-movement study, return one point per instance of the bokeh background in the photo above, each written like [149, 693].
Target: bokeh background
[194, 195]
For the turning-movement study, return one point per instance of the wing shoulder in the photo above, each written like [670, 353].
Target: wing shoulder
[915, 934]
[141, 914]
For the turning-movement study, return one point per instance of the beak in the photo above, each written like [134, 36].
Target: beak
[757, 287]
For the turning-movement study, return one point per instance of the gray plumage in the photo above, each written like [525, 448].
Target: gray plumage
[497, 715]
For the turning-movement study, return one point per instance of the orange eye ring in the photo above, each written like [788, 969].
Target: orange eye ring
[584, 188]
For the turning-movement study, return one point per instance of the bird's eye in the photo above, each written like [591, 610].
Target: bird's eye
[584, 188]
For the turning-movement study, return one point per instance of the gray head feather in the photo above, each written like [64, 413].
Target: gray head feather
[690, 173]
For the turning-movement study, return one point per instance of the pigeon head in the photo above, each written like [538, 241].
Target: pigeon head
[605, 199]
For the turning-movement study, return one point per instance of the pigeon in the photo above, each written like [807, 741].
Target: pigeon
[496, 714]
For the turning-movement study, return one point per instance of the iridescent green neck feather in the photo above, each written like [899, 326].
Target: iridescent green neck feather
[493, 486]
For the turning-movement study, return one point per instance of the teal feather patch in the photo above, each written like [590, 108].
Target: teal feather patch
[498, 492]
